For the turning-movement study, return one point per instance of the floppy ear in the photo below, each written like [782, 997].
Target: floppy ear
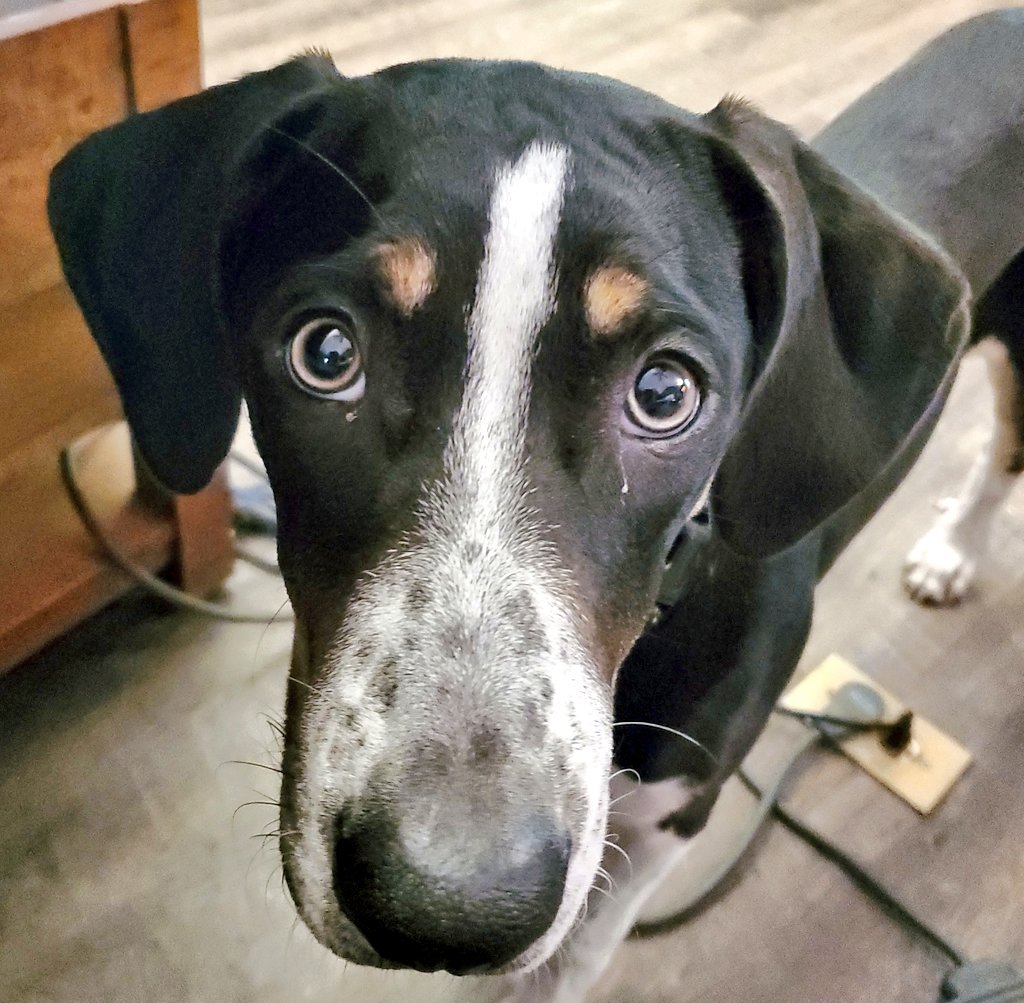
[136, 210]
[858, 323]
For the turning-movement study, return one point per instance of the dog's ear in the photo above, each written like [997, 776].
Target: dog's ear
[858, 322]
[136, 211]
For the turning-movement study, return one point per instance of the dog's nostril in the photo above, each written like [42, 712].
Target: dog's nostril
[451, 901]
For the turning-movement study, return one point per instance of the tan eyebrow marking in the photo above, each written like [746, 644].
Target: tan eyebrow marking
[611, 295]
[408, 268]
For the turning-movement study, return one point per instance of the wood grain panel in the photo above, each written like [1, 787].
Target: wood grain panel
[56, 86]
[50, 368]
[51, 576]
[163, 50]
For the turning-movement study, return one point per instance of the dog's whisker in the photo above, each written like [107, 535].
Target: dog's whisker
[254, 804]
[248, 762]
[302, 683]
[276, 726]
[267, 800]
[270, 877]
[270, 837]
[619, 849]
[263, 794]
[615, 801]
[324, 266]
[257, 854]
[671, 731]
[266, 628]
[330, 164]
[608, 892]
[276, 832]
[603, 874]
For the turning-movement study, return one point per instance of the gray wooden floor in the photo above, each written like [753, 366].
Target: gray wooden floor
[127, 875]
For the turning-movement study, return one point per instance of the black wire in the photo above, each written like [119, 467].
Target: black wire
[141, 575]
[816, 718]
[712, 882]
[869, 885]
[270, 567]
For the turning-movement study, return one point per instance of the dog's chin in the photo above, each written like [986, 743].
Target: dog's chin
[346, 942]
[342, 939]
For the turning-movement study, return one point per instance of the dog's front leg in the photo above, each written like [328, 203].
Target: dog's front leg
[941, 566]
[638, 856]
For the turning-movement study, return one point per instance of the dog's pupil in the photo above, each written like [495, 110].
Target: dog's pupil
[660, 391]
[329, 354]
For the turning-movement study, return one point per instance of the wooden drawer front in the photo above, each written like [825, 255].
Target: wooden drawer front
[50, 370]
[56, 86]
[163, 42]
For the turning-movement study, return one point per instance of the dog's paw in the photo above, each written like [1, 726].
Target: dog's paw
[938, 570]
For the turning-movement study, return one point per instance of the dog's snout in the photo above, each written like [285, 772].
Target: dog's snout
[433, 900]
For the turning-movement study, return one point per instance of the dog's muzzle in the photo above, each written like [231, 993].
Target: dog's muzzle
[451, 819]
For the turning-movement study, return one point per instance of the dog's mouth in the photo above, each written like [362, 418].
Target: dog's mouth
[445, 809]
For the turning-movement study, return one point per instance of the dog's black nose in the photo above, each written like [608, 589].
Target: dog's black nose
[435, 896]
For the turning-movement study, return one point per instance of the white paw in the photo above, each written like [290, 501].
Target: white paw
[938, 570]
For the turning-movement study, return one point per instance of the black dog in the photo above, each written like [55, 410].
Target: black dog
[510, 337]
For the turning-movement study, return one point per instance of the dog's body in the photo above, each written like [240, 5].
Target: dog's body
[503, 331]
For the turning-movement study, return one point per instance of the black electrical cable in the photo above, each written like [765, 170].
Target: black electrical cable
[244, 554]
[769, 806]
[870, 886]
[140, 575]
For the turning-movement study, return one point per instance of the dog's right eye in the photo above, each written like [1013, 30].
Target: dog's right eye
[664, 398]
[324, 360]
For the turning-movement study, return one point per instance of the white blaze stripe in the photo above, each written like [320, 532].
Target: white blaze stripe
[478, 549]
[515, 296]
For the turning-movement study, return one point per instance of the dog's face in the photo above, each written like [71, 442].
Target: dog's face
[499, 329]
[484, 415]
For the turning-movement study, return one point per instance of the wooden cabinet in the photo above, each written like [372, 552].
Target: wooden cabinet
[61, 79]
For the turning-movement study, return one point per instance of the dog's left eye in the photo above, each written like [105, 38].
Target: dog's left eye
[664, 398]
[324, 360]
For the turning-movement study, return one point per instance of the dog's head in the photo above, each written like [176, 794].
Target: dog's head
[500, 330]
